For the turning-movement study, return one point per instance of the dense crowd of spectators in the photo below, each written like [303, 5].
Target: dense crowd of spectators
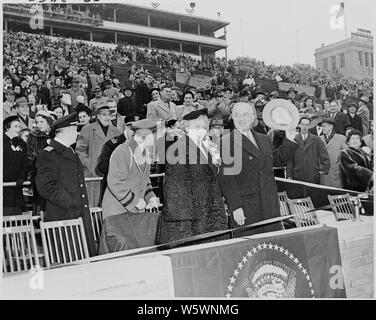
[45, 79]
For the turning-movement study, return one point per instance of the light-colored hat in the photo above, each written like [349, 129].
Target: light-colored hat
[66, 99]
[280, 114]
[364, 99]
[80, 99]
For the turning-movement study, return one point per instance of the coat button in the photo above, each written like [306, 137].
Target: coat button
[81, 185]
[85, 206]
[83, 196]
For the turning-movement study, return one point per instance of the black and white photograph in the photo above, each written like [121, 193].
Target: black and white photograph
[172, 149]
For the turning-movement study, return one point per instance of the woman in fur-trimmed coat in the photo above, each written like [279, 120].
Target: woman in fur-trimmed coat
[192, 195]
[355, 165]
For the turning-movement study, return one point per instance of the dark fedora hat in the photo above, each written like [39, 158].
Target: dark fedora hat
[327, 120]
[195, 114]
[291, 89]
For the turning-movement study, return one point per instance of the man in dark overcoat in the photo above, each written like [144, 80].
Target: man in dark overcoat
[60, 178]
[247, 182]
[341, 120]
[311, 158]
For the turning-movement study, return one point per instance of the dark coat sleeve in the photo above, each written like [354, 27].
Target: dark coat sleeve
[104, 159]
[228, 182]
[284, 153]
[46, 181]
[324, 157]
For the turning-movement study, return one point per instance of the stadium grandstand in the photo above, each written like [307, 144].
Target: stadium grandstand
[116, 23]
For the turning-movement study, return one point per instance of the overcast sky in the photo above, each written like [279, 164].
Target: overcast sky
[272, 29]
[275, 31]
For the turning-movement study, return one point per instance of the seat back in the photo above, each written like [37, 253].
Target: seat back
[64, 242]
[344, 208]
[19, 249]
[23, 219]
[282, 197]
[96, 217]
[299, 208]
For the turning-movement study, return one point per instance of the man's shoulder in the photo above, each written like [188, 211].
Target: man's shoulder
[340, 137]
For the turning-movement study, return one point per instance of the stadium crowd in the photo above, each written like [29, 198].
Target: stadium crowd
[45, 80]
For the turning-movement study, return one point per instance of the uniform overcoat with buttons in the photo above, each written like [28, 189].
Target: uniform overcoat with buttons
[60, 180]
[253, 187]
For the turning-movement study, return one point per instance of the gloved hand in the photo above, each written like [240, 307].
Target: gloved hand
[141, 204]
[153, 203]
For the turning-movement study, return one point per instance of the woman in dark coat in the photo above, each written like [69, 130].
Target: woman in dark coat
[15, 167]
[355, 165]
[192, 196]
[38, 139]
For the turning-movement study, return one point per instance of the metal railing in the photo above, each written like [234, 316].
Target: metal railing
[93, 179]
[89, 179]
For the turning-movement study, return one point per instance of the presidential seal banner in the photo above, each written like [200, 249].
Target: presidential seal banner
[301, 264]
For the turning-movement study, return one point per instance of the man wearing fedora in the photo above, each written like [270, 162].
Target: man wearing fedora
[354, 118]
[76, 91]
[363, 112]
[334, 143]
[127, 105]
[23, 113]
[60, 178]
[291, 95]
[98, 99]
[341, 120]
[89, 146]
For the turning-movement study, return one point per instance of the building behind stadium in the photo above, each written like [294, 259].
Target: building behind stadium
[352, 57]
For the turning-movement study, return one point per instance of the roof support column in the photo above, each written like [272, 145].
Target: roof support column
[199, 29]
[115, 14]
[149, 20]
[116, 40]
[199, 50]
[181, 46]
[150, 42]
[179, 25]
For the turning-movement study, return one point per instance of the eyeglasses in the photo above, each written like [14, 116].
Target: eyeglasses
[244, 115]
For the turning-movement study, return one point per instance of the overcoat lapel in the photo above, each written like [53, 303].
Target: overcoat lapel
[243, 142]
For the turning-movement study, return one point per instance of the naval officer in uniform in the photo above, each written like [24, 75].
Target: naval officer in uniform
[128, 180]
[60, 178]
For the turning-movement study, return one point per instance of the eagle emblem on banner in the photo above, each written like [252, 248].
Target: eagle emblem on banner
[268, 270]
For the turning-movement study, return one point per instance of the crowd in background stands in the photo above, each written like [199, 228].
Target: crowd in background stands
[45, 79]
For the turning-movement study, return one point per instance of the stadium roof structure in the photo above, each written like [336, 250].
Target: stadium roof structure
[214, 24]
